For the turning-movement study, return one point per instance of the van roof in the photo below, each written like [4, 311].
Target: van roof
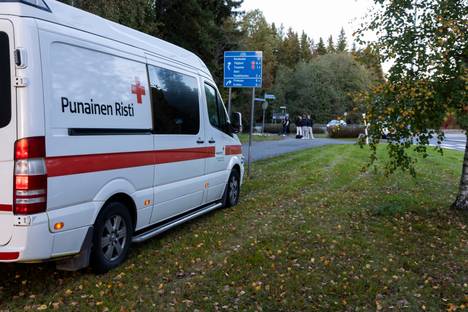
[69, 16]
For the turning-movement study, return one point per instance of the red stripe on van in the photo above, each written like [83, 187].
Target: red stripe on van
[170, 156]
[9, 256]
[7, 208]
[233, 150]
[69, 165]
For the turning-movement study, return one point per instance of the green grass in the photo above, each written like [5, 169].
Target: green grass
[244, 138]
[312, 233]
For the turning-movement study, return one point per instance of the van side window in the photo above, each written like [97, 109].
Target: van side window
[211, 102]
[5, 81]
[216, 111]
[175, 102]
[223, 119]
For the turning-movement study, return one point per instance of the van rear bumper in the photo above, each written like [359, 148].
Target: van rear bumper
[35, 242]
[32, 242]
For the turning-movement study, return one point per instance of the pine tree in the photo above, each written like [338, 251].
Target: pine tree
[342, 45]
[274, 29]
[260, 36]
[290, 50]
[321, 49]
[306, 49]
[313, 47]
[331, 45]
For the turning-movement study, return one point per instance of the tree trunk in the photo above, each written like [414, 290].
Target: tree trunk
[461, 203]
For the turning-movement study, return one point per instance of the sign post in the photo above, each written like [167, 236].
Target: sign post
[243, 69]
[229, 102]
[252, 120]
[264, 107]
[267, 97]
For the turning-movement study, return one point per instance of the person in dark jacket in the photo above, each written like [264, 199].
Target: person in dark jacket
[299, 124]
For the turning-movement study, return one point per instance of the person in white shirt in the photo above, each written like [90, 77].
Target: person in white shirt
[310, 127]
[305, 128]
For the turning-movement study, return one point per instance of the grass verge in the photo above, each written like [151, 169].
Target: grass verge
[312, 233]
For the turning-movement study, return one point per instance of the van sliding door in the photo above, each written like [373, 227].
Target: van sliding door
[179, 141]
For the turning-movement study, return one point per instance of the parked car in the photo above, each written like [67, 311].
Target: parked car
[108, 137]
[336, 123]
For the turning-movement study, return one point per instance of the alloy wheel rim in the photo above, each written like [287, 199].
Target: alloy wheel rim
[234, 186]
[114, 238]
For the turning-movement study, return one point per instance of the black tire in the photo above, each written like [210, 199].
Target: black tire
[112, 237]
[232, 192]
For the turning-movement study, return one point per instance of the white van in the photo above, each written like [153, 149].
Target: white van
[108, 136]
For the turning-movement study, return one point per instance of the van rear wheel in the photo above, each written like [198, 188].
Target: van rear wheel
[231, 195]
[112, 238]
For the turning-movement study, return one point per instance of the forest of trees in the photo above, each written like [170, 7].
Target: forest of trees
[317, 78]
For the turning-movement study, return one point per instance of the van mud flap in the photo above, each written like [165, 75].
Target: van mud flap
[81, 260]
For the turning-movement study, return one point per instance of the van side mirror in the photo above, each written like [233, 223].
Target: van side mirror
[236, 122]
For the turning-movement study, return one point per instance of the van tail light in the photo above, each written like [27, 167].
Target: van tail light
[30, 179]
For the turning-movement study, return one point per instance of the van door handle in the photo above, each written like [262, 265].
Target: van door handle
[200, 142]
[211, 141]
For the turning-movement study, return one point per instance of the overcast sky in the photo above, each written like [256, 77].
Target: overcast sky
[318, 18]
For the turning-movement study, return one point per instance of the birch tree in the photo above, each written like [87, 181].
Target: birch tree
[427, 45]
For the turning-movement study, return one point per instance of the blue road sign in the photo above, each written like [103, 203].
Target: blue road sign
[243, 69]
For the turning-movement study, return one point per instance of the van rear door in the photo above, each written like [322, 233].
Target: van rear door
[7, 129]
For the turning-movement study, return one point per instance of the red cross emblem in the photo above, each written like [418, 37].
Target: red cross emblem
[138, 90]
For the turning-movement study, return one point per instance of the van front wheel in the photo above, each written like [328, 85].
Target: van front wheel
[231, 195]
[112, 238]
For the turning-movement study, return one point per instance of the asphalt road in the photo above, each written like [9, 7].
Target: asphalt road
[268, 149]
[453, 141]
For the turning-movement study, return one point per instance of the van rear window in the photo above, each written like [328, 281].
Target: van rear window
[5, 81]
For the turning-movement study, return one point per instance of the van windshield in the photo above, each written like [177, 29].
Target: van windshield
[35, 3]
[5, 81]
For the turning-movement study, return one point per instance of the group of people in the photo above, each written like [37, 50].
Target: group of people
[304, 126]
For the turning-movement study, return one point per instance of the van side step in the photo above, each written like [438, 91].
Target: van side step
[152, 232]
